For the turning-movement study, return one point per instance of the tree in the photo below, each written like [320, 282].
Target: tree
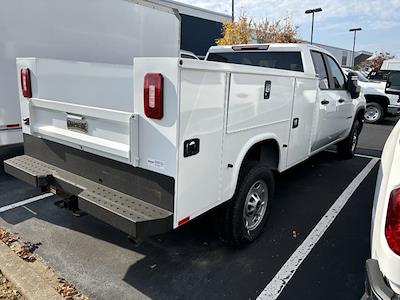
[236, 32]
[245, 30]
[281, 31]
[375, 62]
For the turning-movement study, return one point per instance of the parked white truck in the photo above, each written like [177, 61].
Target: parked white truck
[149, 146]
[380, 103]
[383, 269]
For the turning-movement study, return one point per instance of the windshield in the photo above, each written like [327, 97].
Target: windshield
[361, 77]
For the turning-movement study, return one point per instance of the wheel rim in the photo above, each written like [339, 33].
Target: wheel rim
[255, 205]
[372, 113]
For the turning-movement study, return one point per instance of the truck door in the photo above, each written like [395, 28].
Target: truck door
[344, 102]
[328, 128]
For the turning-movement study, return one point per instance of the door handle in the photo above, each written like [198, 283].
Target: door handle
[341, 100]
[324, 102]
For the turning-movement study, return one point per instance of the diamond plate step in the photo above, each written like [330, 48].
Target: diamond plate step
[129, 214]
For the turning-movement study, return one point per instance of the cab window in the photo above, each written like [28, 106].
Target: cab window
[337, 80]
[320, 70]
[277, 60]
[393, 82]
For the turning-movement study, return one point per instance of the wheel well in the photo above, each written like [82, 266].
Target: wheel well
[360, 117]
[382, 100]
[360, 114]
[266, 152]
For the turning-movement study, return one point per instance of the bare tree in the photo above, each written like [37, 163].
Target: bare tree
[376, 61]
[280, 31]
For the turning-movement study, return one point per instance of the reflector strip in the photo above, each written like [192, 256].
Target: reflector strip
[10, 126]
[183, 221]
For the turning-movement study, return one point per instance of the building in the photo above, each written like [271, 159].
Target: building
[199, 27]
[344, 56]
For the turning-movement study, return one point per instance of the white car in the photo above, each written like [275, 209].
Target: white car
[383, 269]
[379, 103]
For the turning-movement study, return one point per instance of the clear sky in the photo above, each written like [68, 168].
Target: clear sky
[379, 19]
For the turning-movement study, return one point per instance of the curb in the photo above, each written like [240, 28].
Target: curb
[26, 280]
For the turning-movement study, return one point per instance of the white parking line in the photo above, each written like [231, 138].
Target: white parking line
[356, 155]
[24, 202]
[281, 279]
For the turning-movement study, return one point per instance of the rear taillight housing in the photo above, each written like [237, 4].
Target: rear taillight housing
[26, 83]
[392, 228]
[153, 95]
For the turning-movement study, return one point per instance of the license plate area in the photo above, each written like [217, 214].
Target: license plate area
[77, 123]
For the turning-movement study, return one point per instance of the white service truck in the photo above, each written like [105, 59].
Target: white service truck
[150, 146]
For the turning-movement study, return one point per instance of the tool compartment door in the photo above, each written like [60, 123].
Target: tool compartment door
[202, 100]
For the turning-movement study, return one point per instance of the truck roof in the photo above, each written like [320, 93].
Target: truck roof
[195, 11]
[272, 46]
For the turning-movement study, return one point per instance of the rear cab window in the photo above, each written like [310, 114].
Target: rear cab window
[291, 61]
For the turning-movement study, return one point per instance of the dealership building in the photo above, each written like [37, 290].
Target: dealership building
[344, 56]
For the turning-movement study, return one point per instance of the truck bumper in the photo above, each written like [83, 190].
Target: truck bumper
[393, 110]
[375, 285]
[125, 212]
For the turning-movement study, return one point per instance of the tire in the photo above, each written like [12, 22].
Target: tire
[240, 229]
[348, 146]
[374, 113]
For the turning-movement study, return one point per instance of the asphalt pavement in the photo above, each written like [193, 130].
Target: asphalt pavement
[193, 262]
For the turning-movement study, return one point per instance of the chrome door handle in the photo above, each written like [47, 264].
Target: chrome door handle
[341, 100]
[324, 102]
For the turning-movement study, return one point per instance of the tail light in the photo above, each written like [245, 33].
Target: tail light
[153, 95]
[392, 228]
[26, 83]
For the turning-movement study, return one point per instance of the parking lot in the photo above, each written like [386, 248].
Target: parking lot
[193, 261]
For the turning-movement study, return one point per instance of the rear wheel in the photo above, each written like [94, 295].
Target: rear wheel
[248, 210]
[348, 146]
[374, 113]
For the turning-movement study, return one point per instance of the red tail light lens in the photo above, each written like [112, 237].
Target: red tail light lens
[153, 95]
[392, 228]
[26, 83]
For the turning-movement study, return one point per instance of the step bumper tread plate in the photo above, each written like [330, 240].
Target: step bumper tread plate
[129, 214]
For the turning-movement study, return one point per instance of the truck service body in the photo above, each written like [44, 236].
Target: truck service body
[149, 146]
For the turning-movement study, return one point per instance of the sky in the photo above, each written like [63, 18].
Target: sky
[379, 19]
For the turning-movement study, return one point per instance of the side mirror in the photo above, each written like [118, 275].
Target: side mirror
[352, 85]
[393, 83]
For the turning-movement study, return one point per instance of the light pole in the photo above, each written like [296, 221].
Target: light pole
[233, 11]
[313, 11]
[354, 42]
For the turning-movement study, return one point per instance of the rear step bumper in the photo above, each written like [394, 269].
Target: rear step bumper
[129, 214]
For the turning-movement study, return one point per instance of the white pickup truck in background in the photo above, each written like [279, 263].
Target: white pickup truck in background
[149, 146]
[380, 104]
